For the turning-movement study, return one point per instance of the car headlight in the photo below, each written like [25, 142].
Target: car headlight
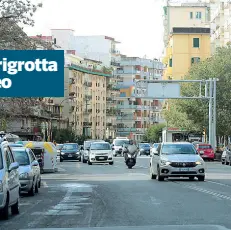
[62, 153]
[201, 151]
[77, 153]
[199, 162]
[24, 176]
[1, 186]
[166, 163]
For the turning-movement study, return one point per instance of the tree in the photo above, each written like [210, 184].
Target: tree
[14, 15]
[196, 111]
[154, 133]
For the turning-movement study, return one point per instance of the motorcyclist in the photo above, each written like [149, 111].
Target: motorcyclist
[130, 148]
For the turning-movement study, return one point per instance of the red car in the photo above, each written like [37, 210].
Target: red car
[206, 151]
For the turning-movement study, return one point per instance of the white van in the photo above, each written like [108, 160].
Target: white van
[117, 145]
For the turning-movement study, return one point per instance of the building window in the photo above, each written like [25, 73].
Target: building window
[198, 15]
[191, 15]
[196, 42]
[195, 60]
[170, 62]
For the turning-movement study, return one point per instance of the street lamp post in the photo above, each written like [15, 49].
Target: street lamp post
[69, 98]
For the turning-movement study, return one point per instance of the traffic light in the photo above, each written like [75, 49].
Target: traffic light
[204, 131]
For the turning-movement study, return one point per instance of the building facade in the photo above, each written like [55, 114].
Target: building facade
[195, 14]
[186, 47]
[135, 116]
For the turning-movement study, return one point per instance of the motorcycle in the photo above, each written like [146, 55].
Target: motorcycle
[131, 159]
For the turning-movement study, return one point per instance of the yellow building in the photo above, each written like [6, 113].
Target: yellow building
[186, 46]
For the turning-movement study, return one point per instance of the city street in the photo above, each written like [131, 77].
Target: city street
[80, 195]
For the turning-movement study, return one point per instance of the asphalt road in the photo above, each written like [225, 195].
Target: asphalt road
[84, 196]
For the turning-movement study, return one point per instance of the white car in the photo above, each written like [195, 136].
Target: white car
[100, 152]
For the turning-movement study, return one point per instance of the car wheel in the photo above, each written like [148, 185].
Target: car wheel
[111, 163]
[36, 187]
[160, 178]
[153, 177]
[201, 178]
[226, 162]
[89, 163]
[223, 162]
[61, 160]
[15, 208]
[5, 211]
[39, 184]
[32, 190]
[191, 178]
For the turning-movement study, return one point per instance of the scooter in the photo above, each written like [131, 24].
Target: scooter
[131, 159]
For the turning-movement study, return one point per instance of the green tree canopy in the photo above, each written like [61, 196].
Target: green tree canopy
[153, 134]
[193, 113]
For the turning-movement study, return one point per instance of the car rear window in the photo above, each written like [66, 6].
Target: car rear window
[205, 147]
[100, 146]
[121, 142]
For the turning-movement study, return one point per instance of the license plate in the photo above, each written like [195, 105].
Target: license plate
[184, 169]
[131, 160]
[204, 156]
[70, 155]
[101, 158]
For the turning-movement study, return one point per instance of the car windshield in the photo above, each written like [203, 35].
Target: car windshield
[205, 147]
[155, 145]
[144, 145]
[100, 146]
[121, 142]
[1, 162]
[58, 147]
[70, 147]
[170, 149]
[21, 157]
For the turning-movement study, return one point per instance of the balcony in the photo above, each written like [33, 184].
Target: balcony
[109, 124]
[87, 124]
[125, 118]
[111, 112]
[71, 94]
[126, 129]
[127, 107]
[114, 51]
[124, 72]
[87, 84]
[115, 63]
[71, 81]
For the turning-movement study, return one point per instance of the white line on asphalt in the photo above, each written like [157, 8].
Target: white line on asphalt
[213, 182]
[44, 184]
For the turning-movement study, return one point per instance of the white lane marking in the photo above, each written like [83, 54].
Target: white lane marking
[154, 201]
[213, 182]
[209, 192]
[44, 184]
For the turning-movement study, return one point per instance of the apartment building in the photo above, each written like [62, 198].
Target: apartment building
[99, 48]
[135, 116]
[220, 23]
[184, 14]
[186, 47]
[186, 37]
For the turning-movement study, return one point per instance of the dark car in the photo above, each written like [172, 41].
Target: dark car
[70, 151]
[144, 149]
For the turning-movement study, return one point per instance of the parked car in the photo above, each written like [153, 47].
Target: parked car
[9, 181]
[226, 155]
[29, 170]
[206, 151]
[177, 160]
[70, 151]
[144, 149]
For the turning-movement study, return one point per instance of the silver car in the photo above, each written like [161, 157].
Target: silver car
[177, 160]
[29, 170]
[9, 181]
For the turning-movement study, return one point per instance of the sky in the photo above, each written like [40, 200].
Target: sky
[137, 24]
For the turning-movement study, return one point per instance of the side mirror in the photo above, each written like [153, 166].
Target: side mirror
[40, 161]
[35, 163]
[13, 166]
[87, 149]
[113, 148]
[81, 148]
